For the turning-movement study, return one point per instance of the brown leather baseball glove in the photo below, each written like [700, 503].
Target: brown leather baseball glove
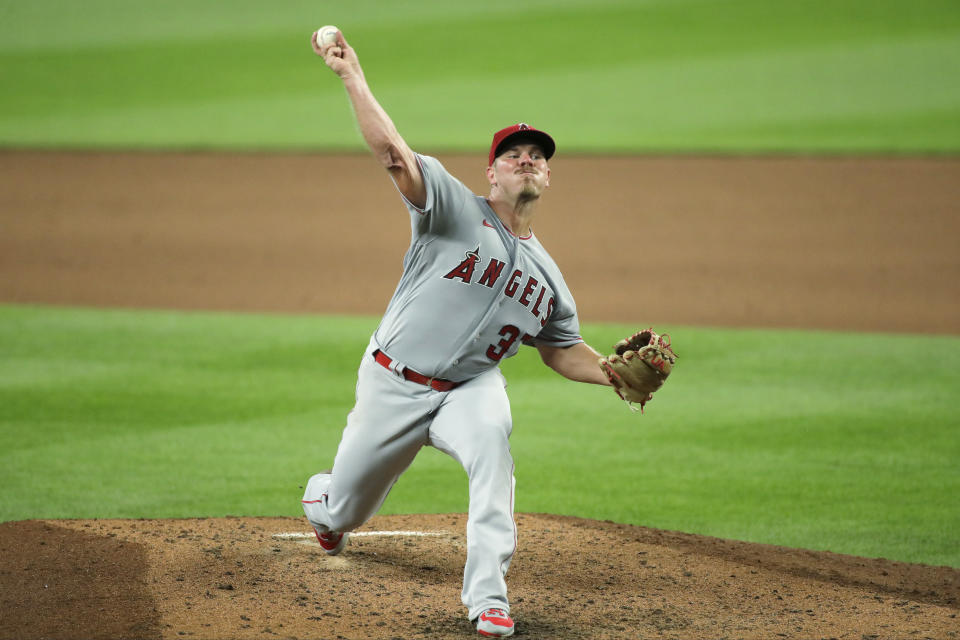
[639, 366]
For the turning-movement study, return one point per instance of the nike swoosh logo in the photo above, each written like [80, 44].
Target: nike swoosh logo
[493, 619]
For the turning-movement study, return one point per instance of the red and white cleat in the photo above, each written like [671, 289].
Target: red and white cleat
[332, 542]
[495, 623]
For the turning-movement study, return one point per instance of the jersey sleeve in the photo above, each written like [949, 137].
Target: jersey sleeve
[445, 196]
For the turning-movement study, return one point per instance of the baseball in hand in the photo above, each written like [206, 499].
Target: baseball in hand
[327, 35]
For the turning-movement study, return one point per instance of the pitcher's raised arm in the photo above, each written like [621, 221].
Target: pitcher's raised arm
[378, 130]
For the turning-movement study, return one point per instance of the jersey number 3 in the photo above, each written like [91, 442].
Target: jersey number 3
[510, 334]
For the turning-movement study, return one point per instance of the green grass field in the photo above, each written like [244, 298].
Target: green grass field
[817, 440]
[659, 75]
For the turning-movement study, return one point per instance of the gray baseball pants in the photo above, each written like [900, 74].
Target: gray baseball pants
[392, 419]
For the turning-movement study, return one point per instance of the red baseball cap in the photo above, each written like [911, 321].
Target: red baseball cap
[521, 130]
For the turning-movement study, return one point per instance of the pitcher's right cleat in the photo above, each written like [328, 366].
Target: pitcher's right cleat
[332, 542]
[495, 623]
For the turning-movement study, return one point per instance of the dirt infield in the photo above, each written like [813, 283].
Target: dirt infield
[868, 244]
[571, 578]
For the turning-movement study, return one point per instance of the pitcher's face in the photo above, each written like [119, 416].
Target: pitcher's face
[520, 171]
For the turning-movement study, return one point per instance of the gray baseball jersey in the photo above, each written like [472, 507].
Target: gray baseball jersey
[471, 291]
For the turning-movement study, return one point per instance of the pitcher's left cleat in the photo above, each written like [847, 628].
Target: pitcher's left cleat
[495, 623]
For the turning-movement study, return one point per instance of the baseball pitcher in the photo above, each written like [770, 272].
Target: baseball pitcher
[476, 285]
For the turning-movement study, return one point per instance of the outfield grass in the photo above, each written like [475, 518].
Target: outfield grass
[624, 76]
[817, 440]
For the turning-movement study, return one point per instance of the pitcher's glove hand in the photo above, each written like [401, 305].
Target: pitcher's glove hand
[639, 366]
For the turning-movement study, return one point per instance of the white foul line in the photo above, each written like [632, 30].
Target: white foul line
[311, 536]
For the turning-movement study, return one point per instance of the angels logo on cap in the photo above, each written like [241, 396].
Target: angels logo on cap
[521, 130]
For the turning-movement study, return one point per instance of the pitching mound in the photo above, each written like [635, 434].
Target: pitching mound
[571, 578]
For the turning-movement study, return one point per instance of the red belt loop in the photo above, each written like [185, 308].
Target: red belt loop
[409, 374]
